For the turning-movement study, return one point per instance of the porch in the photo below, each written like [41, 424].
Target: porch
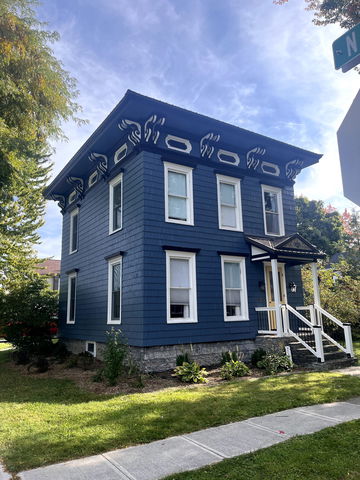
[310, 325]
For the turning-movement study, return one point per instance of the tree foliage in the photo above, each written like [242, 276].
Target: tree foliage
[344, 12]
[323, 228]
[36, 95]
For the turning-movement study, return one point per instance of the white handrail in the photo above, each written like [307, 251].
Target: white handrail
[346, 328]
[301, 317]
[265, 309]
[329, 316]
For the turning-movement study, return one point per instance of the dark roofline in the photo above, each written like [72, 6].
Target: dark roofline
[130, 95]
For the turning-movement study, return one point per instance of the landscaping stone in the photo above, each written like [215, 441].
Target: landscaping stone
[90, 468]
[159, 459]
[4, 475]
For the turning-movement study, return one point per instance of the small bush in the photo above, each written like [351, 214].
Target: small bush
[86, 360]
[191, 373]
[99, 375]
[60, 351]
[234, 368]
[229, 357]
[274, 363]
[258, 355]
[182, 358]
[41, 364]
[72, 361]
[115, 355]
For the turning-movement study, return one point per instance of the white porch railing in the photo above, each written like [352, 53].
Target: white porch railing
[308, 331]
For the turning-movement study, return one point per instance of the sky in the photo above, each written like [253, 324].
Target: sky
[257, 65]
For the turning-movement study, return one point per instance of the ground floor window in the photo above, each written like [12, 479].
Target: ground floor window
[181, 287]
[234, 288]
[71, 298]
[114, 290]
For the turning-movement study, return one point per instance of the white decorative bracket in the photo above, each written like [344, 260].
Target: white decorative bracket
[78, 184]
[134, 135]
[152, 128]
[206, 144]
[178, 143]
[293, 168]
[60, 199]
[120, 153]
[102, 163]
[253, 157]
[270, 168]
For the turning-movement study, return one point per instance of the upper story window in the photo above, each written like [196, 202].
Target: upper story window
[74, 231]
[114, 290]
[71, 298]
[178, 194]
[273, 211]
[116, 202]
[181, 287]
[229, 203]
[234, 288]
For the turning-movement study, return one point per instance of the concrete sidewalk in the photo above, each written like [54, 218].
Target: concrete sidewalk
[194, 450]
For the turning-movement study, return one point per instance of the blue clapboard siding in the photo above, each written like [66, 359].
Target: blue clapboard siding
[95, 243]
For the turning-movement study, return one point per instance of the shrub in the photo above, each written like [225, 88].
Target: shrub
[274, 363]
[257, 355]
[234, 368]
[182, 358]
[228, 357]
[72, 361]
[41, 364]
[191, 372]
[115, 355]
[85, 360]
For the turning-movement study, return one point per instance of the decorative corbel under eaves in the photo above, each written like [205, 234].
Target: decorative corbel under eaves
[78, 184]
[293, 168]
[253, 157]
[60, 199]
[101, 163]
[207, 146]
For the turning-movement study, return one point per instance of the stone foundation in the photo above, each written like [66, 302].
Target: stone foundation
[162, 358]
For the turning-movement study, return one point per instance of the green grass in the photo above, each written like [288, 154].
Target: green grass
[49, 420]
[5, 346]
[331, 454]
[356, 345]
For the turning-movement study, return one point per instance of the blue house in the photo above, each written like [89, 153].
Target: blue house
[180, 230]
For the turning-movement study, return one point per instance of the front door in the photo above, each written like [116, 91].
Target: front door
[270, 291]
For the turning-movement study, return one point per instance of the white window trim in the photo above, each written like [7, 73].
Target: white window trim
[72, 215]
[115, 181]
[93, 178]
[278, 191]
[238, 208]
[244, 296]
[174, 167]
[191, 256]
[112, 262]
[87, 346]
[70, 276]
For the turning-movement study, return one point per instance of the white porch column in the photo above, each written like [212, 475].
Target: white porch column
[315, 280]
[277, 300]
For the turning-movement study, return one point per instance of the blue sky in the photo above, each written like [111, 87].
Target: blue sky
[257, 65]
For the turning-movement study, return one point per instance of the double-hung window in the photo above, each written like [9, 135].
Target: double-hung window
[229, 203]
[178, 194]
[234, 288]
[181, 287]
[116, 203]
[71, 298]
[114, 290]
[74, 230]
[273, 211]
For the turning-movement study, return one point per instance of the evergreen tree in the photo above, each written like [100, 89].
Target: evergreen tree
[36, 95]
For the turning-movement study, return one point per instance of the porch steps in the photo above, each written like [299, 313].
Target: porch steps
[334, 358]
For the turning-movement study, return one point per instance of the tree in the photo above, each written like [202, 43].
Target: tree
[36, 95]
[344, 12]
[351, 224]
[320, 226]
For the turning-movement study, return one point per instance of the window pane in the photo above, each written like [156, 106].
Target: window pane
[233, 297]
[115, 294]
[179, 296]
[74, 236]
[117, 206]
[271, 202]
[232, 275]
[179, 273]
[72, 298]
[177, 208]
[228, 217]
[116, 270]
[178, 311]
[272, 223]
[227, 194]
[115, 306]
[177, 184]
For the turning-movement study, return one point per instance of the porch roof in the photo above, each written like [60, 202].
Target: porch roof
[291, 248]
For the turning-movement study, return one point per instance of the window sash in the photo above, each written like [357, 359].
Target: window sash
[116, 204]
[71, 299]
[178, 194]
[74, 231]
[114, 290]
[229, 203]
[234, 288]
[273, 211]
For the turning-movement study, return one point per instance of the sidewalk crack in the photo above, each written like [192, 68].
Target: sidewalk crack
[119, 468]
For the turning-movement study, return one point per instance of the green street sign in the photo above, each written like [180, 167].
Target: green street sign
[346, 49]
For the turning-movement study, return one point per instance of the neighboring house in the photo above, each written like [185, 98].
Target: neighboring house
[51, 270]
[180, 230]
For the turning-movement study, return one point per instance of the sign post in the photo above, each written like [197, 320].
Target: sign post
[346, 49]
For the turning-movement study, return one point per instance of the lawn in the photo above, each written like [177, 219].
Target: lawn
[331, 454]
[49, 420]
